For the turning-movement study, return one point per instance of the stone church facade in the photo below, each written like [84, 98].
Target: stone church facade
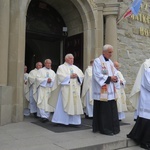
[89, 22]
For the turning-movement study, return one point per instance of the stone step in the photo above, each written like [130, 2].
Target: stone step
[126, 144]
[132, 148]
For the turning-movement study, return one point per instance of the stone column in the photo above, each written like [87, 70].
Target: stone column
[4, 39]
[99, 32]
[6, 91]
[111, 33]
[16, 55]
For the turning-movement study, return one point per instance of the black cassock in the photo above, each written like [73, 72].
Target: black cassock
[141, 132]
[105, 117]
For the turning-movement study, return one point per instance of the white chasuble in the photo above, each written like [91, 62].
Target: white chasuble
[70, 88]
[87, 87]
[44, 88]
[32, 76]
[31, 80]
[32, 89]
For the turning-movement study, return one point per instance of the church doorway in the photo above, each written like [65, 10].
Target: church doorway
[47, 37]
[44, 34]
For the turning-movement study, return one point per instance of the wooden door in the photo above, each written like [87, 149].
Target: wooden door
[74, 45]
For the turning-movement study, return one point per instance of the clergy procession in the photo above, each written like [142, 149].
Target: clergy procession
[99, 94]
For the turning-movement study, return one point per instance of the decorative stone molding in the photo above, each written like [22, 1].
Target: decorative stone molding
[92, 3]
[111, 9]
[108, 9]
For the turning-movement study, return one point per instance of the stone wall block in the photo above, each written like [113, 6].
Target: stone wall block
[6, 100]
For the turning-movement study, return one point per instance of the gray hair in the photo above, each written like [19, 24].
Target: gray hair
[47, 60]
[38, 63]
[107, 46]
[68, 55]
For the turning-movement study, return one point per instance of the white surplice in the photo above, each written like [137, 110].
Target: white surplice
[99, 79]
[144, 99]
[44, 90]
[69, 105]
[87, 92]
[135, 92]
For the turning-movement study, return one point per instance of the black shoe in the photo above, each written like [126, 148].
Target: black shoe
[116, 132]
[35, 115]
[86, 116]
[128, 136]
[111, 134]
[44, 120]
[145, 146]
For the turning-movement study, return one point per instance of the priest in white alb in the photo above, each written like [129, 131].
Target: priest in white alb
[121, 100]
[105, 81]
[87, 92]
[44, 83]
[69, 105]
[26, 93]
[32, 87]
[141, 130]
[135, 92]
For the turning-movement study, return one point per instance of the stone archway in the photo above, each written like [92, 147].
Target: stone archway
[79, 18]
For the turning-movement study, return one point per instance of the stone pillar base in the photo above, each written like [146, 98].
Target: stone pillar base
[6, 104]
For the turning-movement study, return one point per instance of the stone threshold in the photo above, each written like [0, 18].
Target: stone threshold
[115, 145]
